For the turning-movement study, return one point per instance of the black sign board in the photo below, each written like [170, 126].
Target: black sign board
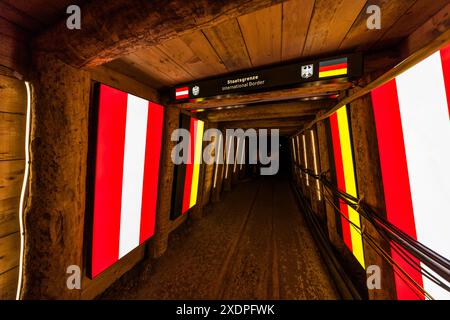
[293, 74]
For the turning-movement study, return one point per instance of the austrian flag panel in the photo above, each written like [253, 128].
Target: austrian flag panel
[413, 127]
[127, 156]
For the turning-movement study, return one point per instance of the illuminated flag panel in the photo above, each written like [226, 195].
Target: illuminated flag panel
[186, 176]
[413, 127]
[332, 68]
[127, 156]
[346, 181]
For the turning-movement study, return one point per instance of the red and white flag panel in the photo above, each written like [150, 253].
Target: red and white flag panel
[128, 151]
[413, 127]
[182, 93]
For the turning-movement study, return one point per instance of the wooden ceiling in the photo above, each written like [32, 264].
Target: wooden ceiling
[294, 29]
[33, 16]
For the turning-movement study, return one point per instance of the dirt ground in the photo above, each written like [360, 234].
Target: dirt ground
[254, 244]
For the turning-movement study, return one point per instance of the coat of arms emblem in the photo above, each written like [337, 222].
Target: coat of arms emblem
[307, 71]
[196, 90]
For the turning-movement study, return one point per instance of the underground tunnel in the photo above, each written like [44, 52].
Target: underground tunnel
[245, 150]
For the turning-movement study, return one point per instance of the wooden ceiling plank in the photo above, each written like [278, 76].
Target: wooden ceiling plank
[229, 44]
[296, 18]
[262, 35]
[413, 18]
[142, 61]
[188, 60]
[19, 18]
[46, 12]
[12, 30]
[159, 64]
[329, 25]
[183, 56]
[360, 38]
[200, 45]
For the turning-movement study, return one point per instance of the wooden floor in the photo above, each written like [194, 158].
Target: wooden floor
[254, 244]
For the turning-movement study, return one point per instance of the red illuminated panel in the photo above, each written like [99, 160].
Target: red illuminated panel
[445, 60]
[413, 128]
[395, 174]
[129, 132]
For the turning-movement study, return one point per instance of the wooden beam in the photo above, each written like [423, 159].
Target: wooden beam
[123, 82]
[313, 90]
[429, 38]
[286, 109]
[270, 123]
[113, 28]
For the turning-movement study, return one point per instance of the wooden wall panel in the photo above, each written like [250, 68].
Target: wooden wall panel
[12, 136]
[13, 94]
[9, 216]
[8, 284]
[9, 247]
[227, 40]
[262, 35]
[296, 17]
[14, 46]
[11, 175]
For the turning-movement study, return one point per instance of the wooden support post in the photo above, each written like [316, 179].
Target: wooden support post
[54, 217]
[324, 167]
[158, 243]
[368, 174]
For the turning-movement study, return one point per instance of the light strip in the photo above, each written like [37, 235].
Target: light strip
[306, 158]
[24, 189]
[228, 156]
[299, 161]
[242, 155]
[316, 170]
[293, 149]
[236, 155]
[216, 154]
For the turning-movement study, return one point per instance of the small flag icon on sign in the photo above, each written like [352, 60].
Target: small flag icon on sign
[331, 68]
[182, 93]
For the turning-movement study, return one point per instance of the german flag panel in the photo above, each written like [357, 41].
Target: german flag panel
[186, 176]
[413, 127]
[332, 68]
[345, 177]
